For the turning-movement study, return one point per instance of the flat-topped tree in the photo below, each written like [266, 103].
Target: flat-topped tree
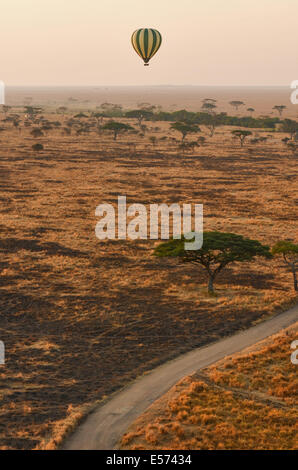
[218, 251]
[117, 128]
[139, 114]
[289, 253]
[81, 116]
[236, 104]
[185, 128]
[279, 108]
[208, 106]
[32, 111]
[209, 100]
[242, 135]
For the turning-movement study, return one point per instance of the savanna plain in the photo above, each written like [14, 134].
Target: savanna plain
[80, 317]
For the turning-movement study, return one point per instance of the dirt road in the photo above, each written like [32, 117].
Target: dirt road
[103, 428]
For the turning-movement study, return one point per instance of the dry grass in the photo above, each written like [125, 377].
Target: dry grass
[79, 317]
[248, 401]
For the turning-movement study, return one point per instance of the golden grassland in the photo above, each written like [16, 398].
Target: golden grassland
[80, 318]
[247, 401]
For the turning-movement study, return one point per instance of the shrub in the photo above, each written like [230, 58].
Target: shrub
[37, 147]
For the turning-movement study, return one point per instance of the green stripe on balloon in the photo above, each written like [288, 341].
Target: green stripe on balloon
[146, 43]
[154, 42]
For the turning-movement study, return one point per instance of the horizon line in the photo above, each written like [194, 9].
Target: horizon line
[144, 86]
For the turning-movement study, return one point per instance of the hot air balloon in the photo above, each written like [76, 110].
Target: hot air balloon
[146, 42]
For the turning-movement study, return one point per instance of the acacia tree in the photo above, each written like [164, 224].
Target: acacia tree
[209, 100]
[241, 135]
[219, 250]
[279, 108]
[116, 127]
[185, 128]
[32, 111]
[208, 106]
[289, 253]
[236, 104]
[81, 115]
[140, 115]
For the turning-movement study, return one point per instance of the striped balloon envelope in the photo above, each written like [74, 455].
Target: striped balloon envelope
[146, 42]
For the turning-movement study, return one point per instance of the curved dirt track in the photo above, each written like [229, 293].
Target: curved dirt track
[103, 428]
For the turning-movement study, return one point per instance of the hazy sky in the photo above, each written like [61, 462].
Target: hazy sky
[205, 42]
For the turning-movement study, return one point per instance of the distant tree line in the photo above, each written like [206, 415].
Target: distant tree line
[221, 119]
[195, 118]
